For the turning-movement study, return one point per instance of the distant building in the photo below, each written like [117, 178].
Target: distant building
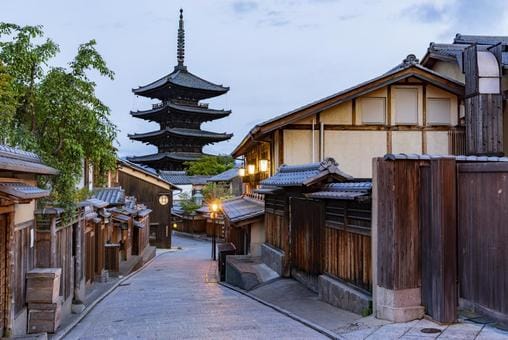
[179, 114]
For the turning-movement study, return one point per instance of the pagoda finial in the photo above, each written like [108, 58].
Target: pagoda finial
[180, 49]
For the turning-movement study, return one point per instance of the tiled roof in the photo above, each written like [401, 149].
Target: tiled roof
[204, 111]
[225, 176]
[403, 156]
[181, 178]
[454, 51]
[182, 132]
[147, 171]
[180, 156]
[175, 177]
[242, 208]
[13, 159]
[306, 174]
[114, 195]
[22, 190]
[181, 78]
[343, 191]
[94, 202]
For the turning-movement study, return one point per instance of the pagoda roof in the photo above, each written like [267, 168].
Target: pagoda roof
[175, 156]
[156, 113]
[183, 80]
[181, 132]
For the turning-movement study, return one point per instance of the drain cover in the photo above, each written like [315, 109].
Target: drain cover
[430, 330]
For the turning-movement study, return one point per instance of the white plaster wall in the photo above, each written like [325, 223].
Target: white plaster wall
[354, 150]
[257, 238]
[407, 142]
[449, 69]
[437, 142]
[340, 114]
[24, 212]
[298, 146]
[397, 94]
[381, 93]
[434, 92]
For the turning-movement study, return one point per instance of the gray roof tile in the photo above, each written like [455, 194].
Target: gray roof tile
[13, 159]
[114, 195]
[344, 191]
[225, 176]
[22, 190]
[242, 208]
[302, 175]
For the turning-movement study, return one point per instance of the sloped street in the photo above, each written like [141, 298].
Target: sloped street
[174, 297]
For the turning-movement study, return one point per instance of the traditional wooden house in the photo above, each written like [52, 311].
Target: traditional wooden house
[410, 108]
[282, 190]
[244, 224]
[153, 191]
[228, 182]
[18, 194]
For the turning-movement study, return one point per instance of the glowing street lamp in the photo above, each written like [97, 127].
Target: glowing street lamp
[214, 208]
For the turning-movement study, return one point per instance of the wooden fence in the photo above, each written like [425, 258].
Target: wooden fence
[23, 262]
[347, 242]
[277, 222]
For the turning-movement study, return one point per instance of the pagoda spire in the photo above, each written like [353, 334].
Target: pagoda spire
[180, 50]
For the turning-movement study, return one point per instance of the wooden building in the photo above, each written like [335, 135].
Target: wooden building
[18, 195]
[179, 114]
[153, 191]
[481, 62]
[244, 224]
[410, 109]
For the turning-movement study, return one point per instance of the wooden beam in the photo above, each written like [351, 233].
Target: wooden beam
[424, 118]
[353, 111]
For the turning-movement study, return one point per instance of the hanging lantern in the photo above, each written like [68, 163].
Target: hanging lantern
[241, 172]
[263, 165]
[251, 169]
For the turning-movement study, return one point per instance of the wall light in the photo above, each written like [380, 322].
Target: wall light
[251, 169]
[241, 172]
[263, 165]
[163, 199]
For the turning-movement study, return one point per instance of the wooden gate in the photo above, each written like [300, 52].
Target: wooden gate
[306, 225]
[483, 237]
[3, 271]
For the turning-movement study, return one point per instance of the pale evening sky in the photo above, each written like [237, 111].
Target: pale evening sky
[274, 55]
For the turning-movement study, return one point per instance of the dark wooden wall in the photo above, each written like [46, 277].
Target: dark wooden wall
[148, 194]
[307, 219]
[347, 247]
[23, 262]
[483, 236]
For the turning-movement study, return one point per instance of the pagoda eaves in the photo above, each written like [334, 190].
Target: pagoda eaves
[161, 112]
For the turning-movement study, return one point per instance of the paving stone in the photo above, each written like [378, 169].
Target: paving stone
[176, 297]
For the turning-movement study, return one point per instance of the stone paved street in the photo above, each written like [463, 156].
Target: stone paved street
[176, 297]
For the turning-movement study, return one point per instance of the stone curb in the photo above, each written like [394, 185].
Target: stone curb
[63, 332]
[289, 314]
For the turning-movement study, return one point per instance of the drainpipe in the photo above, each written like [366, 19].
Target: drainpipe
[322, 141]
[313, 140]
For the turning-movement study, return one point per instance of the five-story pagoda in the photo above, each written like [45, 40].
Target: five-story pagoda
[179, 114]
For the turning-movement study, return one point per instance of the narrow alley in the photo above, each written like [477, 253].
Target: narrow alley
[174, 297]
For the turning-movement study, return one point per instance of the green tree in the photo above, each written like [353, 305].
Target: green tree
[210, 165]
[57, 113]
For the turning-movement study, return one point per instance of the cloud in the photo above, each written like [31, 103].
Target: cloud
[244, 6]
[425, 13]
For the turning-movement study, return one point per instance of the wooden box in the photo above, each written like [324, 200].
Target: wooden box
[43, 285]
[44, 317]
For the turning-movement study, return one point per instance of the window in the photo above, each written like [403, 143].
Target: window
[373, 110]
[438, 111]
[406, 106]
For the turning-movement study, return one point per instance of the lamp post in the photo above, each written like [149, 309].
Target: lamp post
[214, 209]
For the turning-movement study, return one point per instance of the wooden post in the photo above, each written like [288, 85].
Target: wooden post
[397, 292]
[439, 240]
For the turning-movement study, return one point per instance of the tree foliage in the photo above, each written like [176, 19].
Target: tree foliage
[210, 165]
[54, 111]
[189, 206]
